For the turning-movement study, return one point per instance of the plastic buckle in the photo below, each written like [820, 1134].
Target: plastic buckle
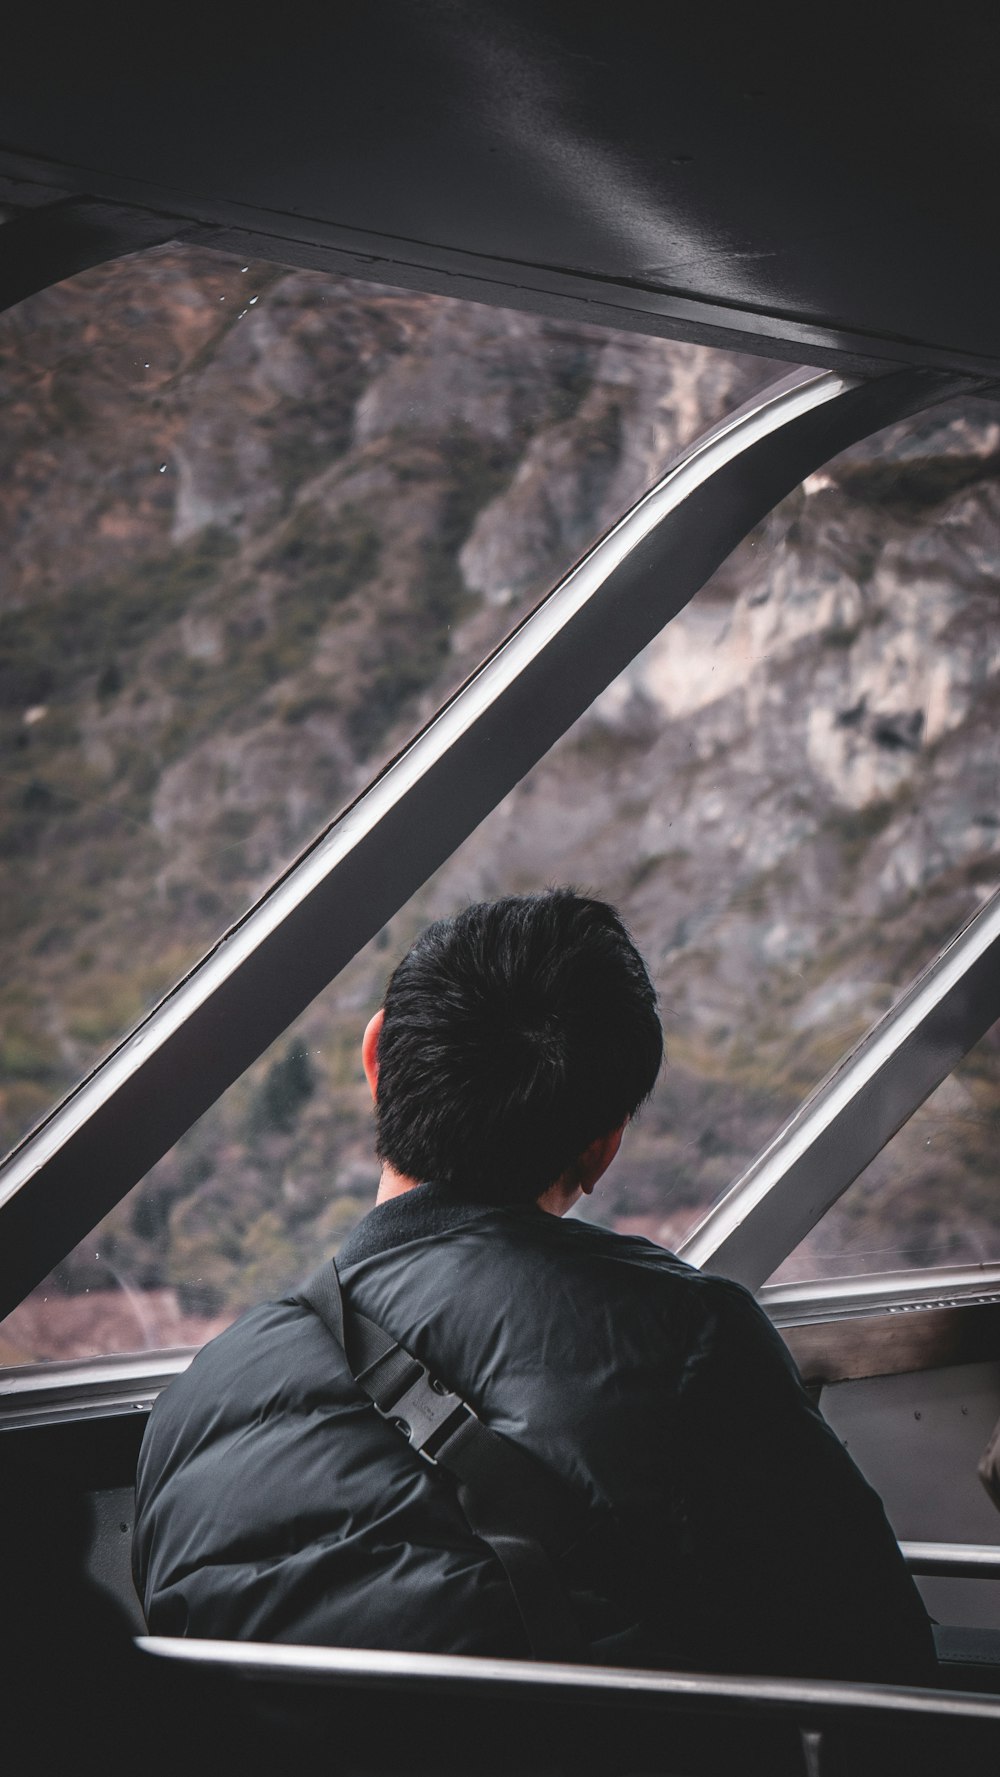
[426, 1413]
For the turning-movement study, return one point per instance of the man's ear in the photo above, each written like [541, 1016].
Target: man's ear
[596, 1158]
[369, 1050]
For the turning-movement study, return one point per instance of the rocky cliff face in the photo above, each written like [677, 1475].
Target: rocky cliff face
[260, 522]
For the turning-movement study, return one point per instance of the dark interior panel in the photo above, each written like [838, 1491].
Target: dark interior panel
[791, 182]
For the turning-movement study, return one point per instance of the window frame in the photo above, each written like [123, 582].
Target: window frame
[104, 1136]
[835, 1134]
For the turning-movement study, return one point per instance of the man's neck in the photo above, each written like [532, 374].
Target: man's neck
[393, 1184]
[556, 1200]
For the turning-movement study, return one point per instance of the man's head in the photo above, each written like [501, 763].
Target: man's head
[513, 1036]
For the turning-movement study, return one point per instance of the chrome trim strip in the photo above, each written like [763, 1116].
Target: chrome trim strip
[851, 1115]
[87, 1388]
[64, 1412]
[465, 1672]
[265, 970]
[890, 1292]
[968, 1561]
[82, 1375]
[76, 1388]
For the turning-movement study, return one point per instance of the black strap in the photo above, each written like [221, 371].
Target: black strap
[510, 1501]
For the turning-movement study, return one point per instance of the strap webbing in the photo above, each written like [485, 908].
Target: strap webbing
[510, 1501]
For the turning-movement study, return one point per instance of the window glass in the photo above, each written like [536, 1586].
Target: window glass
[797, 795]
[257, 523]
[932, 1197]
[790, 794]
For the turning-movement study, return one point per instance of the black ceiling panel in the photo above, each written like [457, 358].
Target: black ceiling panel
[825, 179]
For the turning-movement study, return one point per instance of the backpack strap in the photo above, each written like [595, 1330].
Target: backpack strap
[511, 1502]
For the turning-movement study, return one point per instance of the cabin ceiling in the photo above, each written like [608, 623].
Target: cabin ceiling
[820, 186]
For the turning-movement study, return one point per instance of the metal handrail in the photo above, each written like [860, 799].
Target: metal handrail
[475, 1675]
[967, 1561]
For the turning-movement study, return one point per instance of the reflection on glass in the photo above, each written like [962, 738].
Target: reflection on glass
[791, 795]
[932, 1197]
[257, 524]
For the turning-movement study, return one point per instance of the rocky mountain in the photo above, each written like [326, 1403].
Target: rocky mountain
[259, 522]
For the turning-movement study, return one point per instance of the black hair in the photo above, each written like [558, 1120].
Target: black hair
[514, 1034]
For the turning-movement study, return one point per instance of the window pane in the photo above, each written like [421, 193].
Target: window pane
[932, 1197]
[794, 794]
[791, 795]
[257, 524]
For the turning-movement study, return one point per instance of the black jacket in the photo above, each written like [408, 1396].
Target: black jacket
[732, 1530]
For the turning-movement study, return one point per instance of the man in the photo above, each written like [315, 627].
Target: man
[711, 1518]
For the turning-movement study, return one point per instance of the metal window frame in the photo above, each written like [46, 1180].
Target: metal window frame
[104, 1137]
[856, 1110]
[56, 1391]
[70, 1389]
[896, 1292]
[85, 217]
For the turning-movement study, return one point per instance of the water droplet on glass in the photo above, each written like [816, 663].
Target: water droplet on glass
[163, 468]
[253, 299]
[244, 268]
[145, 367]
[222, 299]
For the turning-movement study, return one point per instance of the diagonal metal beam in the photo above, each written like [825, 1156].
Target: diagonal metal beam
[107, 1134]
[841, 1127]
